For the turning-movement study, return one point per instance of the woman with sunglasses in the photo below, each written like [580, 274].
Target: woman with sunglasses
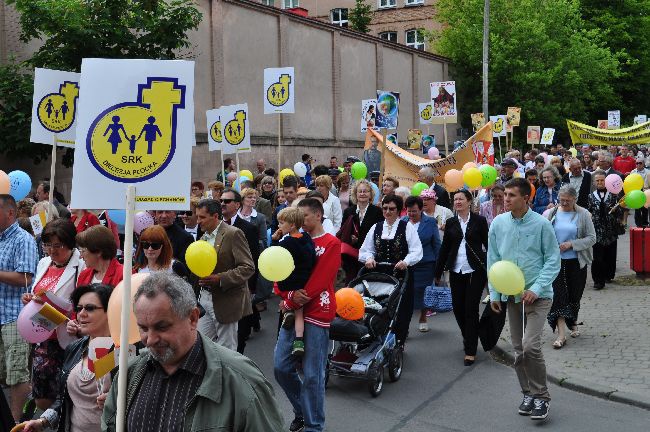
[154, 252]
[80, 397]
[268, 190]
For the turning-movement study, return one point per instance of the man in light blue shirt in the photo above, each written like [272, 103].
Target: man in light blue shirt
[528, 240]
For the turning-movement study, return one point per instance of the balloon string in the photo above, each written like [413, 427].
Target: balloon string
[523, 326]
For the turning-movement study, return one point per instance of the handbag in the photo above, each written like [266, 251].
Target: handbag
[490, 326]
[437, 298]
[348, 229]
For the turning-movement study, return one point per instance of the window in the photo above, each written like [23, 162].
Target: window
[290, 4]
[269, 2]
[389, 36]
[387, 4]
[415, 39]
[413, 2]
[339, 17]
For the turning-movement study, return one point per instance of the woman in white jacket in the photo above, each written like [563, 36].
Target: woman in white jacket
[331, 205]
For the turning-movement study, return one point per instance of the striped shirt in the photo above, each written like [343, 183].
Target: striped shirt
[159, 404]
[18, 253]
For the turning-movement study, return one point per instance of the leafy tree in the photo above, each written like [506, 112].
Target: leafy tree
[70, 30]
[543, 58]
[360, 16]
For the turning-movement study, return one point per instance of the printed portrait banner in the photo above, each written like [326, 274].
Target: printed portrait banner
[582, 134]
[498, 125]
[368, 114]
[428, 141]
[426, 112]
[414, 139]
[443, 99]
[279, 90]
[602, 124]
[387, 109]
[135, 127]
[478, 121]
[614, 119]
[235, 130]
[533, 135]
[514, 116]
[547, 136]
[54, 107]
[392, 138]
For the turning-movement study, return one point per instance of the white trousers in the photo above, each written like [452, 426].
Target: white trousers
[223, 334]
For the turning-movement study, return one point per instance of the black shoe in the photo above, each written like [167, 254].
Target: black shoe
[598, 286]
[526, 407]
[540, 410]
[297, 425]
[468, 362]
[288, 320]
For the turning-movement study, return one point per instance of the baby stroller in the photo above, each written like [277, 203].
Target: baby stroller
[362, 349]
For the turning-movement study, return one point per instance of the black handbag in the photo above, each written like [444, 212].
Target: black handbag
[490, 326]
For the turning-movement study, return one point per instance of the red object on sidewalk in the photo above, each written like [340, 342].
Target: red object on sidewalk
[640, 250]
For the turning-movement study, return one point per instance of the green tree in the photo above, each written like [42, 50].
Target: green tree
[70, 30]
[543, 58]
[360, 16]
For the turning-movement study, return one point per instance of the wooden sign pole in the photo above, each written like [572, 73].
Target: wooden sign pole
[384, 134]
[49, 214]
[279, 147]
[444, 131]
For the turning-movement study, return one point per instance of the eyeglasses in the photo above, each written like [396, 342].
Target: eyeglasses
[185, 213]
[152, 245]
[386, 208]
[90, 308]
[226, 200]
[53, 246]
[267, 183]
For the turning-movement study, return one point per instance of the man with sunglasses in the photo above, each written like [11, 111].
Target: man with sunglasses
[189, 219]
[179, 238]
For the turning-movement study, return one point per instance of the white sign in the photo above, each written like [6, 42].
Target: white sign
[38, 222]
[499, 125]
[614, 119]
[54, 107]
[279, 90]
[641, 118]
[235, 129]
[547, 136]
[426, 112]
[135, 126]
[368, 114]
[215, 138]
[443, 100]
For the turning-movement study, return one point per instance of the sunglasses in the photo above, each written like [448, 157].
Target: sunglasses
[89, 308]
[152, 245]
[385, 208]
[226, 200]
[186, 213]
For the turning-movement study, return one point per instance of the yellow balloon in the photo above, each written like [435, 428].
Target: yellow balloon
[114, 311]
[246, 173]
[473, 177]
[633, 182]
[507, 278]
[285, 172]
[275, 264]
[201, 258]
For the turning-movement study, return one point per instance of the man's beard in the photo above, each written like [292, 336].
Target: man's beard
[165, 357]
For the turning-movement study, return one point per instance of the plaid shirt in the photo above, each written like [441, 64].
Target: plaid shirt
[18, 253]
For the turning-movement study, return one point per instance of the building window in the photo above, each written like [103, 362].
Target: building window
[415, 39]
[389, 36]
[269, 2]
[413, 2]
[387, 4]
[290, 4]
[339, 17]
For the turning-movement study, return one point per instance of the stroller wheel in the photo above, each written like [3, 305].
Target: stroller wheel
[395, 364]
[375, 378]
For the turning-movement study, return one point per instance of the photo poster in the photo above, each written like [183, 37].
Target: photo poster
[641, 118]
[392, 138]
[368, 114]
[54, 107]
[547, 136]
[279, 90]
[533, 135]
[478, 121]
[614, 119]
[602, 124]
[514, 117]
[498, 125]
[387, 109]
[443, 98]
[414, 139]
[135, 127]
[428, 141]
[426, 111]
[235, 129]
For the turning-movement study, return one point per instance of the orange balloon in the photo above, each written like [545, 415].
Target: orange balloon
[349, 304]
[453, 180]
[532, 192]
[115, 310]
[5, 184]
[469, 165]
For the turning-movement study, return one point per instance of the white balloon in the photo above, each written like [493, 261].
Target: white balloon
[300, 169]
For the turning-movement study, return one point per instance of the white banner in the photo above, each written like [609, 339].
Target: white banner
[279, 87]
[215, 138]
[235, 129]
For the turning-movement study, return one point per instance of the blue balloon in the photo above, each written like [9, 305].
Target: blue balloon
[20, 183]
[375, 188]
[117, 216]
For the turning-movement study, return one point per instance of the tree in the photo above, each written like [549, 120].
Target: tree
[360, 16]
[543, 58]
[71, 30]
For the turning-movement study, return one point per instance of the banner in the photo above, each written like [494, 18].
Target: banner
[547, 136]
[387, 109]
[414, 138]
[614, 119]
[514, 116]
[404, 166]
[279, 90]
[478, 120]
[533, 135]
[641, 118]
[426, 112]
[368, 114]
[602, 124]
[215, 138]
[582, 134]
[443, 98]
[235, 128]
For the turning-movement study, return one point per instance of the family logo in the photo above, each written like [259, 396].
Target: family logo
[498, 126]
[425, 114]
[56, 111]
[235, 130]
[278, 93]
[134, 141]
[215, 131]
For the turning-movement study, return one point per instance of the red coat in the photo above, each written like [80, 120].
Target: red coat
[112, 277]
[87, 220]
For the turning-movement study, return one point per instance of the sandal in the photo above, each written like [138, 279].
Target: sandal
[559, 343]
[575, 333]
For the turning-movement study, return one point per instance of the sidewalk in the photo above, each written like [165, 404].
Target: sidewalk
[611, 358]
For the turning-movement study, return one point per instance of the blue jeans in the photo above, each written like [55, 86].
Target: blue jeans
[307, 395]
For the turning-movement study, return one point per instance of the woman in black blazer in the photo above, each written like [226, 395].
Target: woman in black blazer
[464, 254]
[364, 216]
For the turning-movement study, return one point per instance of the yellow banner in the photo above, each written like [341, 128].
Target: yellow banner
[404, 166]
[582, 134]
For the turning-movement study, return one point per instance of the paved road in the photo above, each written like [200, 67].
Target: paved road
[438, 393]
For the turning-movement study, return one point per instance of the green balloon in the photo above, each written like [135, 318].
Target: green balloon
[489, 174]
[635, 199]
[359, 170]
[340, 169]
[417, 188]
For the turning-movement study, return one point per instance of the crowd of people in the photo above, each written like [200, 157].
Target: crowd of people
[549, 213]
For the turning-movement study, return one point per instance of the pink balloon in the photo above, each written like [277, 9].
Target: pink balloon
[141, 221]
[613, 183]
[433, 153]
[28, 329]
[453, 180]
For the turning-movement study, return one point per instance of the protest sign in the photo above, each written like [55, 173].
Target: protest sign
[428, 141]
[641, 118]
[279, 85]
[602, 124]
[478, 120]
[414, 139]
[392, 138]
[533, 135]
[368, 114]
[613, 119]
[547, 136]
[498, 126]
[426, 112]
[387, 109]
[443, 99]
[215, 138]
[235, 128]
[514, 116]
[582, 134]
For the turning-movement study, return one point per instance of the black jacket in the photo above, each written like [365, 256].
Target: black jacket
[180, 240]
[476, 238]
[585, 187]
[442, 197]
[252, 238]
[373, 215]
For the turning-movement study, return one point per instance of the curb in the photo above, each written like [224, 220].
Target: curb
[503, 351]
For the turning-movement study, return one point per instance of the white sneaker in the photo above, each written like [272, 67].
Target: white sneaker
[424, 327]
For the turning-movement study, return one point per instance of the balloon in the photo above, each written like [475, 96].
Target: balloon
[340, 169]
[469, 165]
[573, 152]
[285, 172]
[433, 153]
[453, 180]
[359, 170]
[375, 188]
[275, 264]
[507, 278]
[489, 174]
[115, 311]
[647, 198]
[201, 258]
[232, 176]
[417, 188]
[117, 216]
[635, 199]
[613, 183]
[142, 220]
[246, 173]
[21, 184]
[349, 304]
[5, 183]
[28, 329]
[300, 169]
[472, 177]
[533, 191]
[632, 182]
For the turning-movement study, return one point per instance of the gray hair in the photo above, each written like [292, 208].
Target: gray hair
[428, 173]
[180, 293]
[403, 191]
[554, 171]
[607, 156]
[567, 189]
